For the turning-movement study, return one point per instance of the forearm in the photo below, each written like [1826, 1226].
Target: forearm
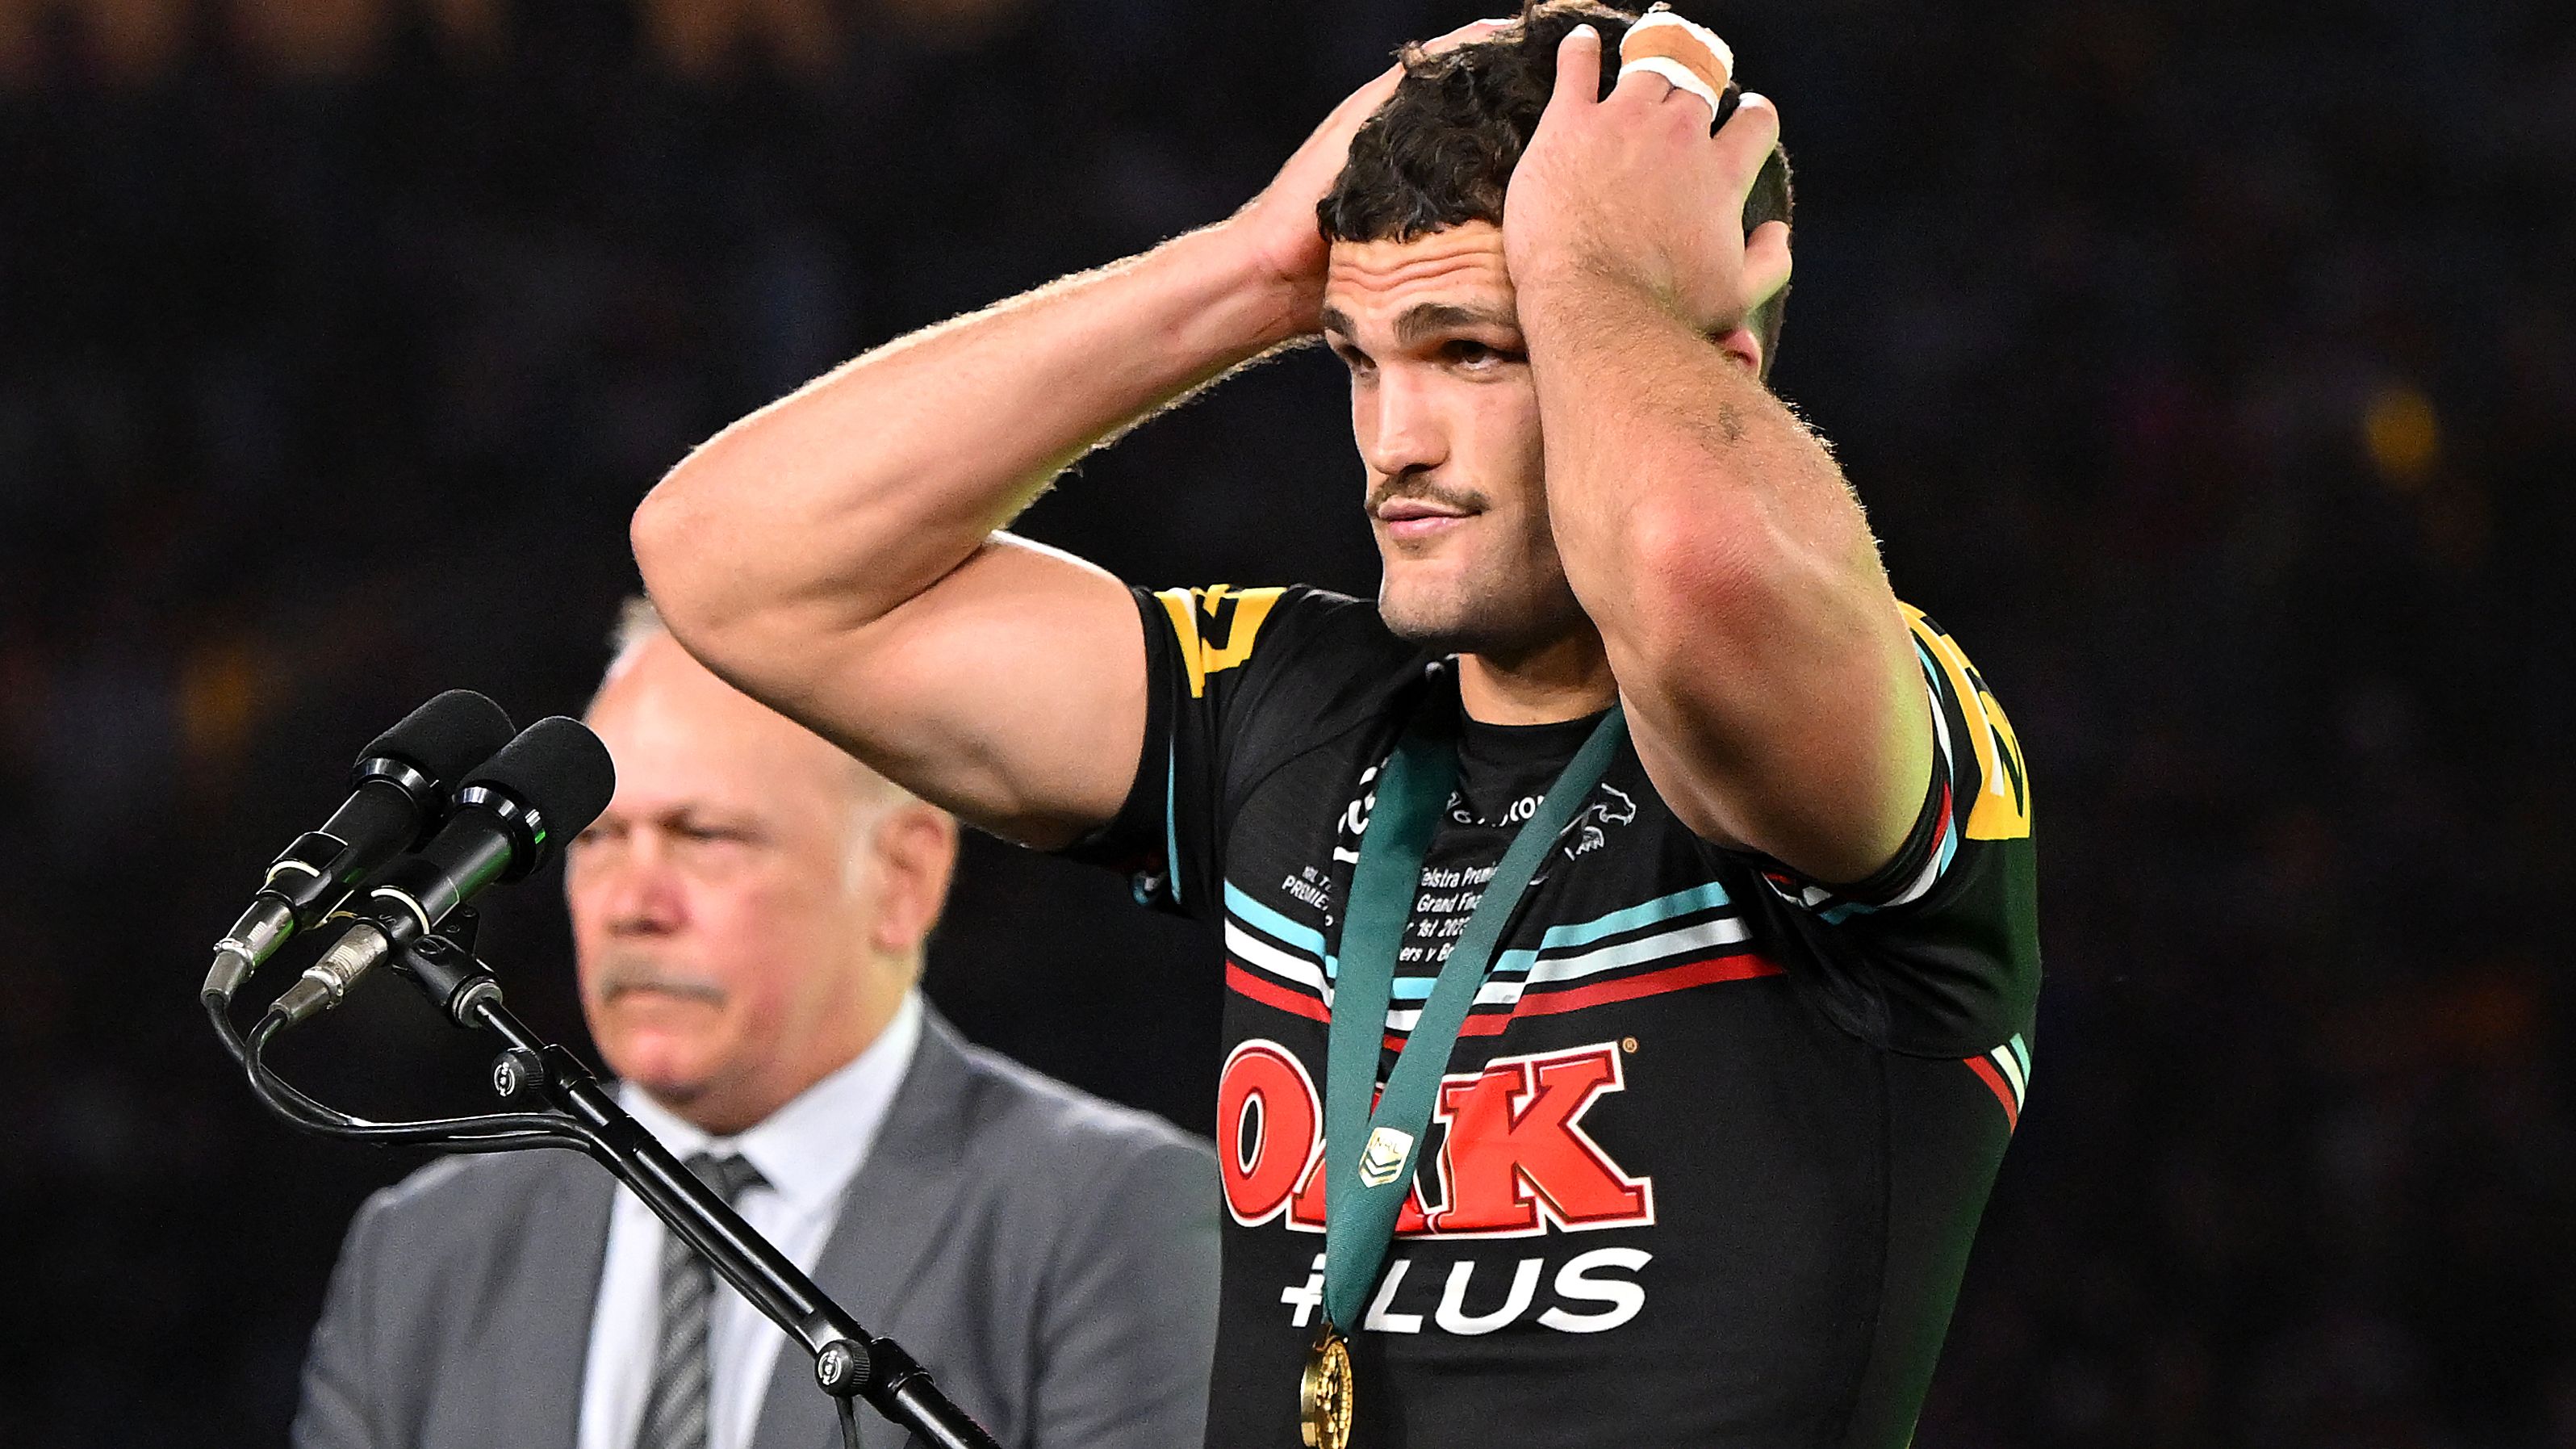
[862, 489]
[1711, 538]
[1657, 441]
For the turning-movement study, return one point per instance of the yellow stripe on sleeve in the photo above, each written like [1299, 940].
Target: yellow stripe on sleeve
[2002, 808]
[1215, 627]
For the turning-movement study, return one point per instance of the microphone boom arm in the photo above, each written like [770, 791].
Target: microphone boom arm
[848, 1362]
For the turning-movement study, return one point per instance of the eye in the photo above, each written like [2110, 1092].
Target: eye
[1357, 361]
[1470, 355]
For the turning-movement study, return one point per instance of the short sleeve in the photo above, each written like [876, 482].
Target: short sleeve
[1977, 797]
[1239, 680]
[1949, 927]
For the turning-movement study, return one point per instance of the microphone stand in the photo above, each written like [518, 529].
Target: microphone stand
[848, 1361]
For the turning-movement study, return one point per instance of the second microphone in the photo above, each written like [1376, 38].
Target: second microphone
[543, 788]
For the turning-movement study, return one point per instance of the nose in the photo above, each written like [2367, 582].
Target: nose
[638, 894]
[1398, 424]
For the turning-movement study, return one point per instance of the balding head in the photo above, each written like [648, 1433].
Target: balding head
[751, 908]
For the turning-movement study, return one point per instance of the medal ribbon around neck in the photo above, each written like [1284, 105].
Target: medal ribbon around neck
[1370, 1155]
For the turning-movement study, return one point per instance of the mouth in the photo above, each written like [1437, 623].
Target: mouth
[1414, 520]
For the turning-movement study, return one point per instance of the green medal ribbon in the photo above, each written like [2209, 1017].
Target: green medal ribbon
[1370, 1154]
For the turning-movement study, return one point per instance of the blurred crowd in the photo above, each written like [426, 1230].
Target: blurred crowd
[2209, 369]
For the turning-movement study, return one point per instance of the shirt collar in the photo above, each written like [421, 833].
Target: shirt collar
[810, 1148]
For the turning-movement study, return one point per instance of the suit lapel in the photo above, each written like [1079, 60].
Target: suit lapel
[892, 1212]
[554, 1288]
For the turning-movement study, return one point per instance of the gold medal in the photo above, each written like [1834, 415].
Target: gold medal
[1324, 1393]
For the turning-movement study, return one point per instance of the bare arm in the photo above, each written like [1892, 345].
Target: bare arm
[838, 555]
[1761, 654]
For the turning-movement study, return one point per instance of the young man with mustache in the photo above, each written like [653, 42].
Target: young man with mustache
[1628, 920]
[748, 919]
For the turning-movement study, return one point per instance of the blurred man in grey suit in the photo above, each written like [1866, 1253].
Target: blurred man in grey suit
[748, 918]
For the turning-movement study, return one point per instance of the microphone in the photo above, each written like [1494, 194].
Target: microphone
[398, 790]
[542, 789]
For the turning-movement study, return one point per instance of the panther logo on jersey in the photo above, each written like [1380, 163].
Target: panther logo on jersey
[1592, 828]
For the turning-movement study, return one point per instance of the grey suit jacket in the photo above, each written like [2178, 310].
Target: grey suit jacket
[1051, 1258]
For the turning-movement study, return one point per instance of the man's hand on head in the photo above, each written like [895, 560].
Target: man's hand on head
[1278, 226]
[1635, 191]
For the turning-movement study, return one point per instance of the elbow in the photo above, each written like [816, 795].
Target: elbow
[669, 541]
[1732, 576]
[1701, 565]
[653, 533]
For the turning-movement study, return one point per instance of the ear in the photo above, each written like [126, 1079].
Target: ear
[916, 850]
[1744, 346]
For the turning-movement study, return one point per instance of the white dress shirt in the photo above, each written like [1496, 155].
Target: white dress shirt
[808, 1151]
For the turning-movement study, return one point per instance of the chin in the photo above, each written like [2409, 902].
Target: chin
[673, 1070]
[1429, 602]
[1434, 631]
[1448, 616]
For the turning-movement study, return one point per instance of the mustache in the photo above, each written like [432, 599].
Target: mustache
[1415, 484]
[619, 975]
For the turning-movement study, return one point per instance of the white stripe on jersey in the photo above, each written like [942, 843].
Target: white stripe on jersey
[2004, 1058]
[1254, 951]
[1508, 991]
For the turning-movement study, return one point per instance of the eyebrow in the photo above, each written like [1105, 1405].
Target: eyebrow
[1433, 318]
[1428, 319]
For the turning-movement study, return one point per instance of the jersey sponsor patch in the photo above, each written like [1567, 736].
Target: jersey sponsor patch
[1215, 627]
[1588, 1292]
[1514, 1160]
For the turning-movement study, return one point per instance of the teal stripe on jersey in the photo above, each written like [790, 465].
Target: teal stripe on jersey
[1654, 912]
[2020, 1053]
[1171, 825]
[1680, 903]
[1679, 941]
[1268, 922]
[1274, 925]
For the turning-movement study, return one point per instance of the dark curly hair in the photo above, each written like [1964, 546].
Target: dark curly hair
[1440, 152]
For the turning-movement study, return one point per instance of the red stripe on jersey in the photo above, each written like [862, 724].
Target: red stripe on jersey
[1272, 994]
[1741, 967]
[1996, 1084]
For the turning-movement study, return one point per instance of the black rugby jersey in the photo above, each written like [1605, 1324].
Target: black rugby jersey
[1707, 1159]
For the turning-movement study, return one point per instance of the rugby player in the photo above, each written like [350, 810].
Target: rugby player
[1701, 1162]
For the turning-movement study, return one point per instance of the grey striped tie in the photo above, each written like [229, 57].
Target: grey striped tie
[675, 1411]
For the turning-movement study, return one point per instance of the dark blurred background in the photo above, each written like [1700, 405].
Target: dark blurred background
[2209, 369]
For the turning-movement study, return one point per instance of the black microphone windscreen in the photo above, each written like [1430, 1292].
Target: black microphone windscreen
[559, 767]
[446, 737]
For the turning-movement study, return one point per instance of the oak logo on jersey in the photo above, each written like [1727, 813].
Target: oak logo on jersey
[1215, 627]
[1514, 1160]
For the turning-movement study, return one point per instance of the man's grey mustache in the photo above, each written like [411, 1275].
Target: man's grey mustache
[626, 974]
